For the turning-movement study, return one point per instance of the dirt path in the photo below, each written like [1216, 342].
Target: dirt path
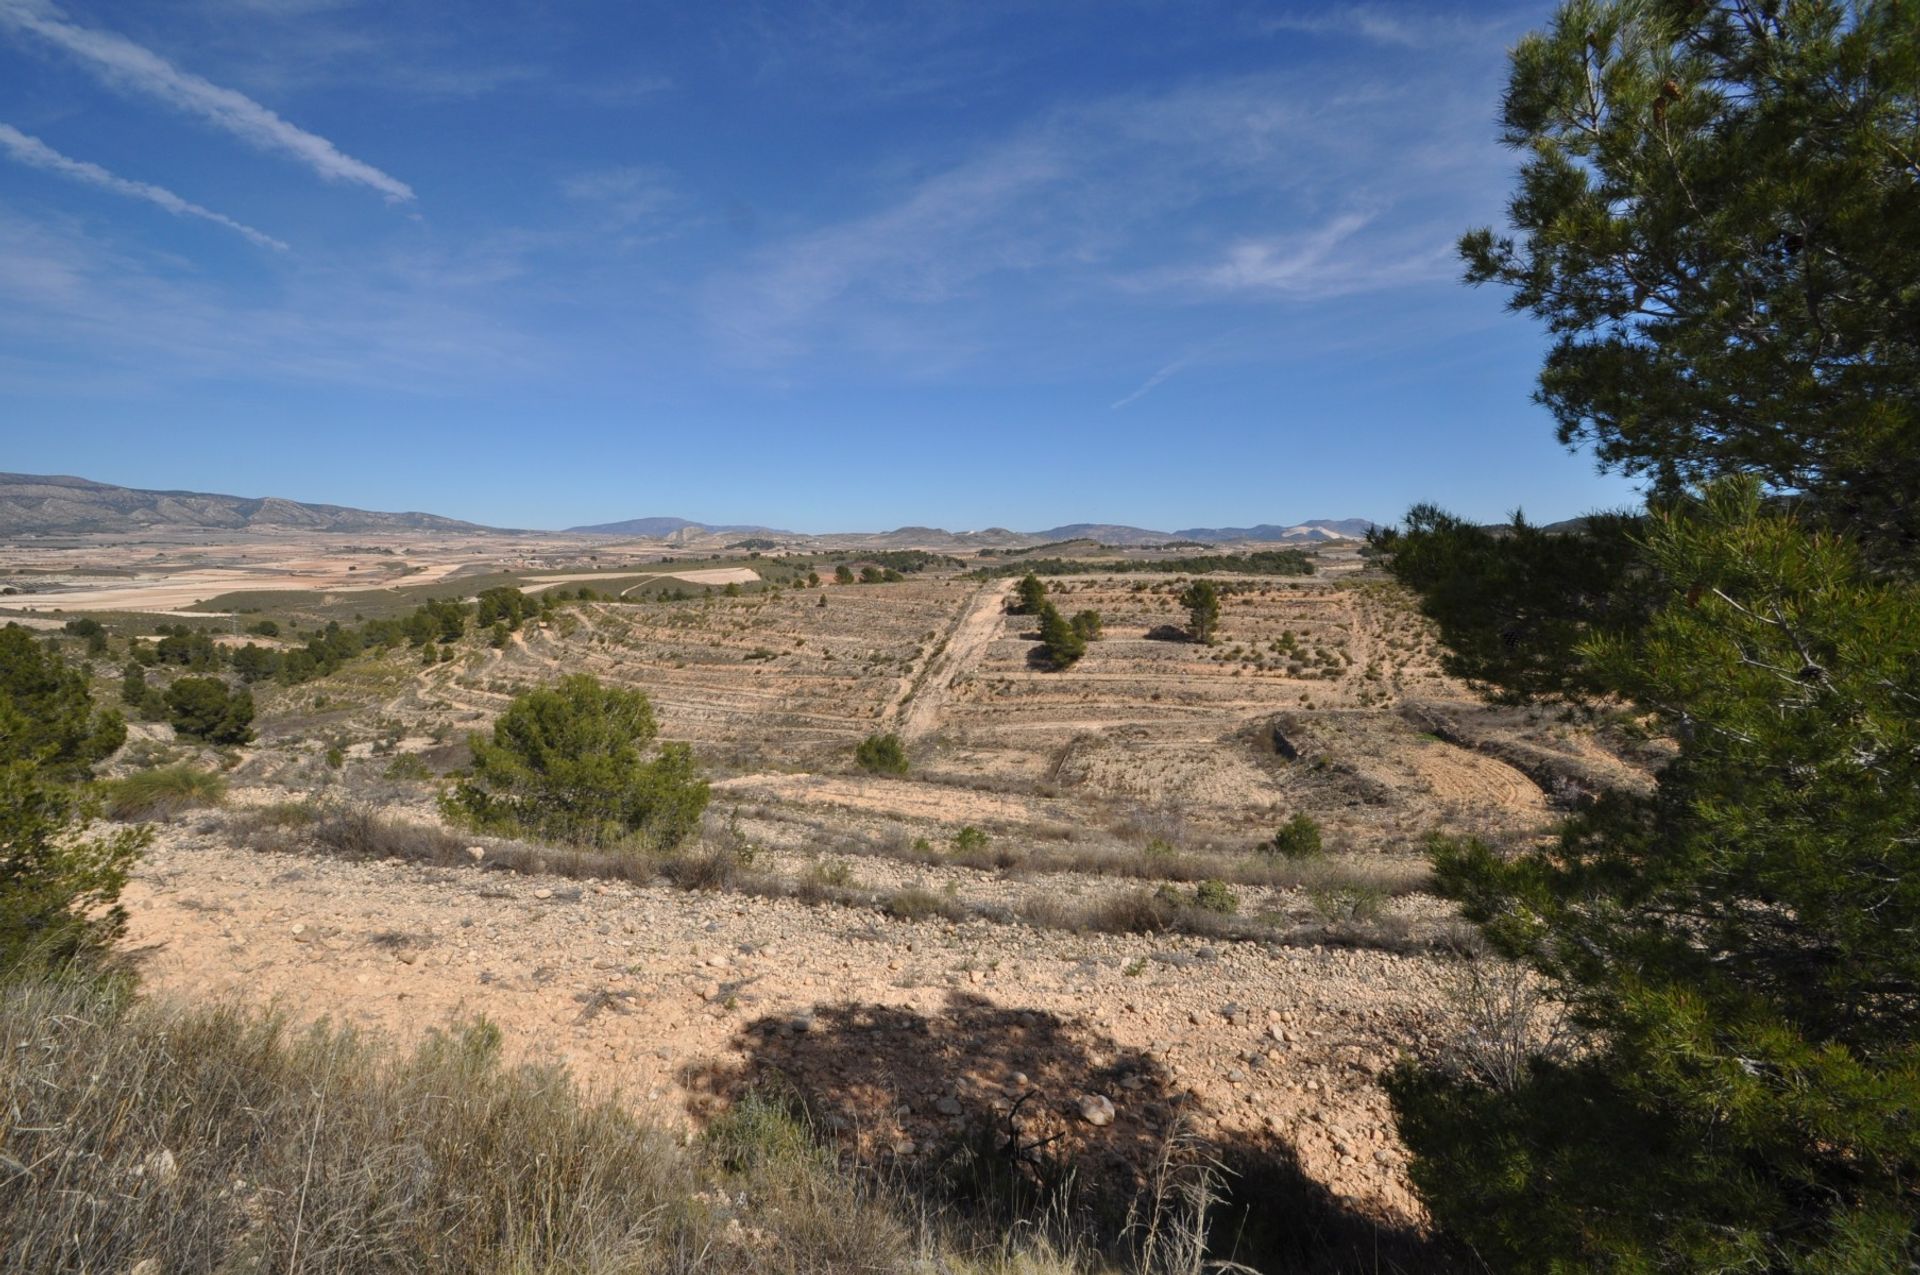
[657, 990]
[972, 633]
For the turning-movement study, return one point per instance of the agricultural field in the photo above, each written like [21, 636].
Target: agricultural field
[1072, 893]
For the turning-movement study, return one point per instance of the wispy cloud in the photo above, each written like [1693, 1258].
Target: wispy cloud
[1331, 259]
[634, 200]
[35, 153]
[112, 315]
[123, 64]
[1152, 383]
[1267, 189]
[1401, 27]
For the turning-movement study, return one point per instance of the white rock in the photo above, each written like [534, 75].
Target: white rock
[1096, 1109]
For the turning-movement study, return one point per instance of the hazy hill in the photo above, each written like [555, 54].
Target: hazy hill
[1313, 529]
[34, 504]
[661, 528]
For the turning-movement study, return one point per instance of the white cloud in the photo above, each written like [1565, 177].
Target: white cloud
[1403, 27]
[1316, 262]
[1259, 189]
[35, 153]
[125, 65]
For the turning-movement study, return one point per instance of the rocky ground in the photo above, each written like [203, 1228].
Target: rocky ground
[907, 1036]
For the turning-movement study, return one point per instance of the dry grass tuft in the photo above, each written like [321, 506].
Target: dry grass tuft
[163, 792]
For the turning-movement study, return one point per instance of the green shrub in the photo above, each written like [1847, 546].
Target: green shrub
[163, 792]
[1214, 895]
[1298, 838]
[1347, 903]
[567, 762]
[882, 755]
[970, 838]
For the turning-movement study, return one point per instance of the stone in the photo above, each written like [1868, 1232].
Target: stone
[476, 853]
[543, 893]
[160, 1166]
[1096, 1109]
[948, 1106]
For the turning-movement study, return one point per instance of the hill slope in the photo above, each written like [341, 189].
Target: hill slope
[34, 504]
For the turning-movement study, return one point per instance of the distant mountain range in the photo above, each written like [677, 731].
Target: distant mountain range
[683, 529]
[34, 504]
[54, 505]
[663, 528]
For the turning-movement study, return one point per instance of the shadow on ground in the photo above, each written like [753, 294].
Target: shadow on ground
[986, 1109]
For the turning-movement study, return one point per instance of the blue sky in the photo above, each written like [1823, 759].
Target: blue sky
[814, 263]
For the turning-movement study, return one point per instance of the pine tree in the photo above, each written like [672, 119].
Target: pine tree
[1737, 946]
[1030, 595]
[1202, 602]
[1062, 642]
[1719, 219]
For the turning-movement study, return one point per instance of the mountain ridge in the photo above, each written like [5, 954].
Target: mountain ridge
[62, 504]
[56, 504]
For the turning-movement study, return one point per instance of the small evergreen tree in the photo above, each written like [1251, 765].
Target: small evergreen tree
[1030, 595]
[1202, 602]
[1088, 625]
[843, 574]
[1063, 643]
[204, 708]
[567, 762]
[59, 890]
[1298, 838]
[882, 754]
[53, 723]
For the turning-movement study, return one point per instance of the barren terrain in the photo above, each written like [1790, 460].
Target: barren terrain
[911, 952]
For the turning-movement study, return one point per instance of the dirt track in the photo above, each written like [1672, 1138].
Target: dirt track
[972, 634]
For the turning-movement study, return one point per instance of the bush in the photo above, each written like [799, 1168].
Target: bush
[1214, 895]
[1088, 625]
[204, 708]
[163, 792]
[969, 839]
[1298, 838]
[1346, 903]
[882, 755]
[566, 762]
